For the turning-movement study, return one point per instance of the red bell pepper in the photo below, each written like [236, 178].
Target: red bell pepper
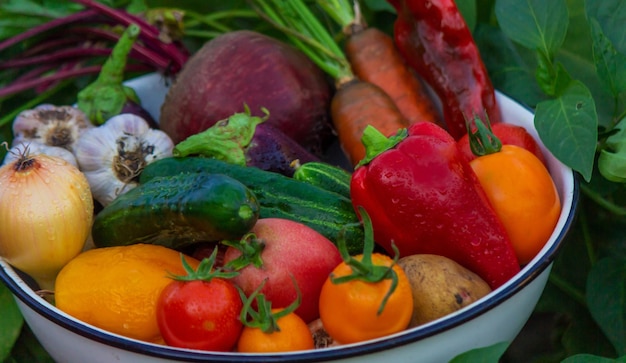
[423, 197]
[436, 42]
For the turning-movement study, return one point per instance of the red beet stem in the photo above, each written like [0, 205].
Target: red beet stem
[70, 53]
[82, 15]
[32, 83]
[149, 33]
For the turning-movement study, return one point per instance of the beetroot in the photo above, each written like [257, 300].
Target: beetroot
[246, 67]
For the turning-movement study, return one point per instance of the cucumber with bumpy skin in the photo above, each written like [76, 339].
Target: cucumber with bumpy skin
[178, 210]
[324, 175]
[279, 196]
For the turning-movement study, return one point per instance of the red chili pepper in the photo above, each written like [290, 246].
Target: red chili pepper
[435, 40]
[423, 197]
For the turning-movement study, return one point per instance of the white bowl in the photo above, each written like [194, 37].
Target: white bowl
[495, 318]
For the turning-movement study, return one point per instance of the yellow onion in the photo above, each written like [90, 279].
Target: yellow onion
[46, 212]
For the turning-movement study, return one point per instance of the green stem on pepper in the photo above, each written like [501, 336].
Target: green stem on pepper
[376, 142]
[226, 140]
[107, 95]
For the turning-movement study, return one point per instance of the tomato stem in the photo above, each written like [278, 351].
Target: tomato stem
[364, 269]
[204, 271]
[264, 318]
[250, 247]
[483, 141]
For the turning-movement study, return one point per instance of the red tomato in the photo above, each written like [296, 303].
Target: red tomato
[291, 249]
[509, 135]
[200, 315]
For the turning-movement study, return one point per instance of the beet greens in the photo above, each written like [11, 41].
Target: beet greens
[75, 45]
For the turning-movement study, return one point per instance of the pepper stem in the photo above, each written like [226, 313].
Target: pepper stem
[483, 141]
[376, 142]
[226, 140]
[106, 96]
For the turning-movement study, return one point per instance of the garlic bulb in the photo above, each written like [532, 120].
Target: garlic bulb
[35, 147]
[51, 128]
[113, 155]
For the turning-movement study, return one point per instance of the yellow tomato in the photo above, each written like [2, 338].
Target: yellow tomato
[524, 197]
[116, 288]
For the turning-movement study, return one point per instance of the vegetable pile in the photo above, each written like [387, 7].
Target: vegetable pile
[295, 163]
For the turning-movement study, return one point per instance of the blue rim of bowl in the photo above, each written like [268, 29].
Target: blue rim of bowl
[312, 356]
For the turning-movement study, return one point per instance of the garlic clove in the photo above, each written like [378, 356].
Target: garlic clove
[47, 124]
[113, 155]
[105, 187]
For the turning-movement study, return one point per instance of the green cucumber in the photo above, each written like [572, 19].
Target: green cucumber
[279, 196]
[324, 175]
[178, 210]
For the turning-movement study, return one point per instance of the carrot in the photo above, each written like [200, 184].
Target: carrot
[356, 103]
[374, 58]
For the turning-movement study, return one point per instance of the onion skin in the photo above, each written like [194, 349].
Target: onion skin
[46, 212]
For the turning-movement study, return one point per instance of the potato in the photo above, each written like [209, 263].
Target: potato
[440, 286]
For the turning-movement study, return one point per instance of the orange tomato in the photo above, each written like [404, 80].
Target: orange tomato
[349, 310]
[524, 196]
[294, 334]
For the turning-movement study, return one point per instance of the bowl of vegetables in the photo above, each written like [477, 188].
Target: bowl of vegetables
[403, 239]
[495, 318]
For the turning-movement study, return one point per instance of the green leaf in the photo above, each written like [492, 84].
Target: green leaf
[552, 79]
[510, 67]
[611, 15]
[379, 5]
[488, 354]
[606, 297]
[34, 8]
[574, 330]
[536, 24]
[17, 16]
[11, 322]
[610, 64]
[28, 349]
[567, 125]
[467, 8]
[588, 358]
